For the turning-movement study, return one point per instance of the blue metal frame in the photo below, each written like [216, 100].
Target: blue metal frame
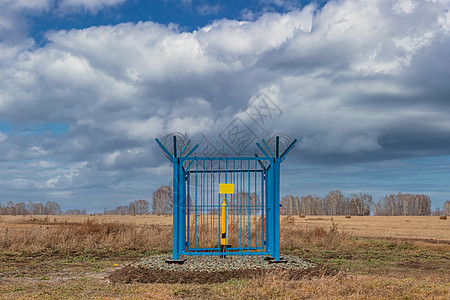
[196, 202]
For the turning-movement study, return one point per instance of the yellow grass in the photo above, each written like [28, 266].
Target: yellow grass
[135, 219]
[397, 227]
[401, 227]
[68, 257]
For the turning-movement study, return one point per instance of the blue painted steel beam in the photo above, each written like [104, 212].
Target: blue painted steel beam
[164, 148]
[175, 210]
[225, 253]
[277, 146]
[190, 152]
[268, 148]
[217, 171]
[276, 211]
[261, 163]
[174, 146]
[182, 209]
[184, 148]
[189, 166]
[226, 158]
[262, 150]
[288, 149]
[233, 249]
[269, 210]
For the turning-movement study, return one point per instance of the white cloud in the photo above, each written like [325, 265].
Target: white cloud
[347, 76]
[19, 5]
[404, 6]
[333, 143]
[207, 9]
[93, 6]
[3, 137]
[140, 129]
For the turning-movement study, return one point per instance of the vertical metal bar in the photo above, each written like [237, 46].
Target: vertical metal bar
[174, 146]
[175, 255]
[211, 196]
[263, 215]
[212, 207]
[278, 147]
[202, 227]
[276, 221]
[233, 211]
[248, 204]
[182, 208]
[276, 201]
[241, 196]
[207, 208]
[226, 199]
[188, 204]
[219, 227]
[256, 198]
[269, 207]
[196, 202]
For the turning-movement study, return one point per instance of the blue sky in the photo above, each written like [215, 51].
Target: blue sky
[87, 85]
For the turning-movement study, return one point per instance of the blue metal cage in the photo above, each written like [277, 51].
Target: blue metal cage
[252, 212]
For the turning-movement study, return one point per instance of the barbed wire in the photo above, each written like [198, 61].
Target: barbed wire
[217, 147]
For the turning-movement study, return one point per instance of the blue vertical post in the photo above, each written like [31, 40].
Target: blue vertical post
[182, 208]
[276, 200]
[269, 207]
[188, 209]
[276, 206]
[175, 255]
[175, 202]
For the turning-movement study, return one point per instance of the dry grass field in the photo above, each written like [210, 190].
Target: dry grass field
[69, 257]
[426, 228]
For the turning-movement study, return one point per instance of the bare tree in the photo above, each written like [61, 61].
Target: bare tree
[10, 208]
[246, 203]
[312, 205]
[138, 207]
[447, 208]
[21, 208]
[52, 208]
[360, 204]
[334, 203]
[404, 205]
[75, 212]
[290, 205]
[119, 210]
[162, 200]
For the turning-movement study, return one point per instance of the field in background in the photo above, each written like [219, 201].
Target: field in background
[50, 257]
[427, 228]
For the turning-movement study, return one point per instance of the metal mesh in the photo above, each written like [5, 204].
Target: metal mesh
[245, 208]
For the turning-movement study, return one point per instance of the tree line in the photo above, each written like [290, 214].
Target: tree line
[359, 204]
[37, 208]
[138, 207]
[403, 205]
[334, 203]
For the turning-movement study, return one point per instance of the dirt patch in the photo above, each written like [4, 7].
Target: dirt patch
[130, 274]
[410, 240]
[423, 265]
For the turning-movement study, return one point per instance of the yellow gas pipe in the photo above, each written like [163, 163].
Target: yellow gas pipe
[224, 239]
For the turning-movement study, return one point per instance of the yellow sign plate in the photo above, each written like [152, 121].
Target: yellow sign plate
[226, 188]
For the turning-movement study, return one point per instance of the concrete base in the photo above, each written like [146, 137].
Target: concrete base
[272, 260]
[176, 261]
[281, 261]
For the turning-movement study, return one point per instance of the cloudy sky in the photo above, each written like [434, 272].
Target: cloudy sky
[87, 85]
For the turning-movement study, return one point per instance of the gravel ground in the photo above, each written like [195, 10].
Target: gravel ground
[216, 264]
